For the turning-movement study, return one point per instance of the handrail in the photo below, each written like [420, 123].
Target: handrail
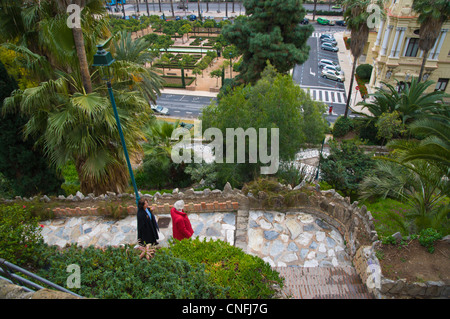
[8, 269]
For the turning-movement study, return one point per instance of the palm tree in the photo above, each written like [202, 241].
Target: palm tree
[432, 15]
[171, 6]
[417, 183]
[69, 122]
[356, 16]
[434, 147]
[411, 102]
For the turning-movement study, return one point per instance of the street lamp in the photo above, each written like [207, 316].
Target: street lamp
[104, 59]
[231, 74]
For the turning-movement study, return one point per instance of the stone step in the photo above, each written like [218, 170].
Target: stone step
[322, 283]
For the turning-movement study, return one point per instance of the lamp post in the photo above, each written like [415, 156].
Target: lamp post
[231, 74]
[201, 51]
[104, 59]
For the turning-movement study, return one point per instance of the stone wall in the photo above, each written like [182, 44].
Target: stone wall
[354, 223]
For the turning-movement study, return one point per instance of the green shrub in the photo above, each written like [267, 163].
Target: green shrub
[342, 126]
[20, 234]
[427, 238]
[364, 71]
[246, 276]
[114, 273]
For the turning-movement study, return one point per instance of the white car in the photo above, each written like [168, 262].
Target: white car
[160, 109]
[332, 75]
[324, 62]
[333, 68]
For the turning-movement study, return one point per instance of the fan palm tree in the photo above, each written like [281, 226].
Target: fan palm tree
[69, 122]
[432, 15]
[356, 17]
[417, 183]
[411, 102]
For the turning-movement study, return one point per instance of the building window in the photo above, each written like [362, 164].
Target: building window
[413, 47]
[441, 85]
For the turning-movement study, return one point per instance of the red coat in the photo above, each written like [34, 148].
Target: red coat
[181, 225]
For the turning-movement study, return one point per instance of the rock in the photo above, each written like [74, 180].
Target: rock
[398, 237]
[300, 185]
[446, 239]
[294, 228]
[322, 224]
[79, 195]
[52, 294]
[277, 248]
[270, 234]
[45, 198]
[227, 190]
[292, 247]
[175, 191]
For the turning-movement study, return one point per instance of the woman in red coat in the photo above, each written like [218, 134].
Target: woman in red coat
[181, 225]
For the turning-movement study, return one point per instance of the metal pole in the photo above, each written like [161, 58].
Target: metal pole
[119, 127]
[318, 166]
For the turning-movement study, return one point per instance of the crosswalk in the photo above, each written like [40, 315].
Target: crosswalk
[327, 96]
[318, 34]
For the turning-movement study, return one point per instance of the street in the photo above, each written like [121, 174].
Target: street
[307, 75]
[184, 106]
[214, 8]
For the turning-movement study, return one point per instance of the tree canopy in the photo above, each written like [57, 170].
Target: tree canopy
[270, 31]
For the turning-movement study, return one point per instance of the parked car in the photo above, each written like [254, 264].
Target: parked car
[332, 75]
[327, 36]
[192, 17]
[177, 18]
[337, 6]
[324, 62]
[304, 21]
[342, 23]
[160, 109]
[329, 47]
[333, 68]
[329, 40]
[331, 22]
[322, 21]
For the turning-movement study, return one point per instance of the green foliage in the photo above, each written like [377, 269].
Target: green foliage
[271, 30]
[20, 234]
[390, 125]
[273, 102]
[427, 238]
[245, 276]
[342, 126]
[114, 273]
[345, 167]
[364, 71]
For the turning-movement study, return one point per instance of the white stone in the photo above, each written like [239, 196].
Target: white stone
[228, 227]
[320, 236]
[254, 215]
[255, 238]
[230, 236]
[193, 217]
[311, 255]
[290, 257]
[322, 248]
[304, 239]
[311, 263]
[270, 261]
[334, 261]
[279, 217]
[73, 222]
[284, 238]
[331, 253]
[294, 228]
[305, 218]
[281, 264]
[264, 224]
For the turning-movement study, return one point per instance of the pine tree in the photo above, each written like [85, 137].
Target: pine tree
[270, 31]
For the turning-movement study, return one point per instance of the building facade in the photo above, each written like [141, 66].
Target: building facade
[395, 53]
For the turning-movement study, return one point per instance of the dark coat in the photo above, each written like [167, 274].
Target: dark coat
[147, 229]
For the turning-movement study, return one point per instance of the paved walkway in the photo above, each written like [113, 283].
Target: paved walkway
[306, 251]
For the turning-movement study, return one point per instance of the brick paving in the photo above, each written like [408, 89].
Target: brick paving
[322, 283]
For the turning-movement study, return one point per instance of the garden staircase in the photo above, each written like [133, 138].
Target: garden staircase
[322, 283]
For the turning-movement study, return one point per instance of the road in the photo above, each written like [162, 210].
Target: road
[214, 8]
[184, 106]
[307, 75]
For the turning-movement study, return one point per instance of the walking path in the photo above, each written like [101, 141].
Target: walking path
[308, 252]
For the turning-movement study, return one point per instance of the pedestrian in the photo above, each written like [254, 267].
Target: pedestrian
[181, 226]
[147, 227]
[330, 110]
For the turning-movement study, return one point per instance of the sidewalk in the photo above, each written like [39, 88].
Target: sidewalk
[346, 62]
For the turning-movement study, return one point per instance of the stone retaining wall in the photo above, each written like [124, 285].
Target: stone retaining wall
[354, 223]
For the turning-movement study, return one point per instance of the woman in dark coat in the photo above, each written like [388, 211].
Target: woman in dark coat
[147, 227]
